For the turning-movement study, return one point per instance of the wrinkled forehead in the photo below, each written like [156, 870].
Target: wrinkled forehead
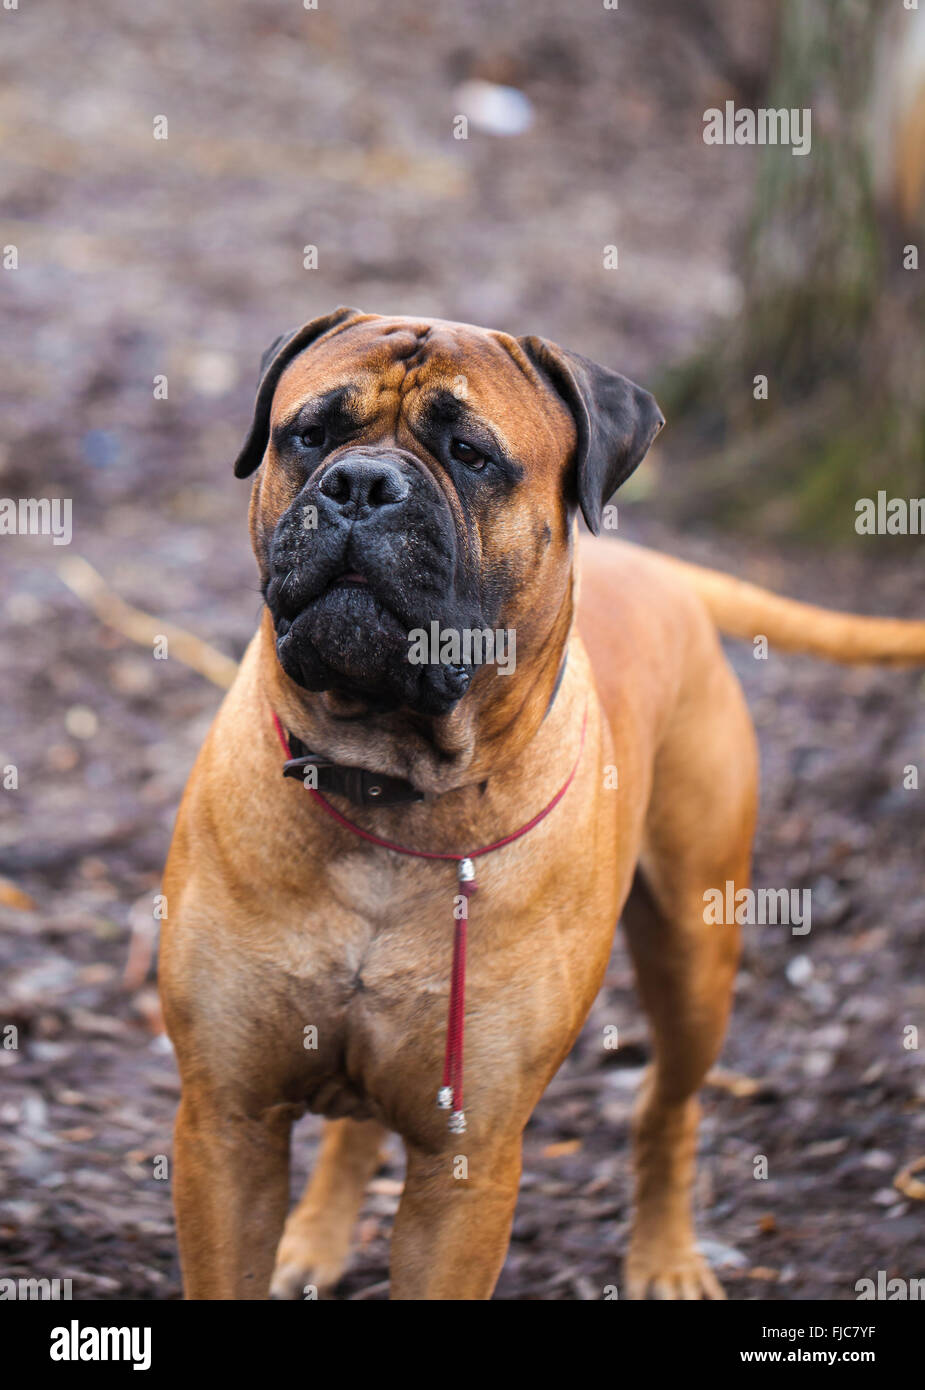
[402, 366]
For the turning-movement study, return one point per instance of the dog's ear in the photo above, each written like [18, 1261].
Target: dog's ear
[272, 365]
[616, 422]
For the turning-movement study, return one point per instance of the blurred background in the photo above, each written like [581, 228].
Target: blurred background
[137, 258]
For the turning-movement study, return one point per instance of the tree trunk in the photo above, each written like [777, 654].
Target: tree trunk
[832, 309]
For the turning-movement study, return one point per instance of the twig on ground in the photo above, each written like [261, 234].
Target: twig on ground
[91, 588]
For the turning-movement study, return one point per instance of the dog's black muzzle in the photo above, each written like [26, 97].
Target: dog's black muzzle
[367, 553]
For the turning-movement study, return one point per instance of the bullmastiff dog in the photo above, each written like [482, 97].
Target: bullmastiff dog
[323, 949]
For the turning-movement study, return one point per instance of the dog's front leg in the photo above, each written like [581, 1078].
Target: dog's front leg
[231, 1192]
[454, 1221]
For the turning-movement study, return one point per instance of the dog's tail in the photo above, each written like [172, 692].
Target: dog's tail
[744, 610]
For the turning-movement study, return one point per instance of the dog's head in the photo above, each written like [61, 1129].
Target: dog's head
[417, 472]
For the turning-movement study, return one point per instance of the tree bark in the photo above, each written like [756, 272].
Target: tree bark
[832, 309]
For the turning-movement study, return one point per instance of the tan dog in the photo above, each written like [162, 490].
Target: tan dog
[412, 472]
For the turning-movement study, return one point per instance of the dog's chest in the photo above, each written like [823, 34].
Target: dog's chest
[366, 969]
[368, 959]
[375, 932]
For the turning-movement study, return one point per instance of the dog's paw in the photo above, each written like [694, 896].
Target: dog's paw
[306, 1267]
[672, 1272]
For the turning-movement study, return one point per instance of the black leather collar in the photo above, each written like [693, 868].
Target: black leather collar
[357, 784]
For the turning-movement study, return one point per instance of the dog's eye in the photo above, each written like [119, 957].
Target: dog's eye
[313, 438]
[467, 454]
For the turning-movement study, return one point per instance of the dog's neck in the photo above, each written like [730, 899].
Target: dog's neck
[489, 727]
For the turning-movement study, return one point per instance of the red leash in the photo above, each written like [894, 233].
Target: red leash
[450, 1095]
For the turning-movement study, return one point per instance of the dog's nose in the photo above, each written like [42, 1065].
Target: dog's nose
[357, 485]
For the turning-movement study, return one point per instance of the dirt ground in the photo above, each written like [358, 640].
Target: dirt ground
[183, 257]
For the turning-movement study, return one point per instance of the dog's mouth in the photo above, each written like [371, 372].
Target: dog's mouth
[345, 637]
[348, 599]
[292, 595]
[341, 636]
[349, 577]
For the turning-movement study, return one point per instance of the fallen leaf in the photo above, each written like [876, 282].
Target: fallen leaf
[909, 1186]
[11, 896]
[735, 1082]
[563, 1149]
